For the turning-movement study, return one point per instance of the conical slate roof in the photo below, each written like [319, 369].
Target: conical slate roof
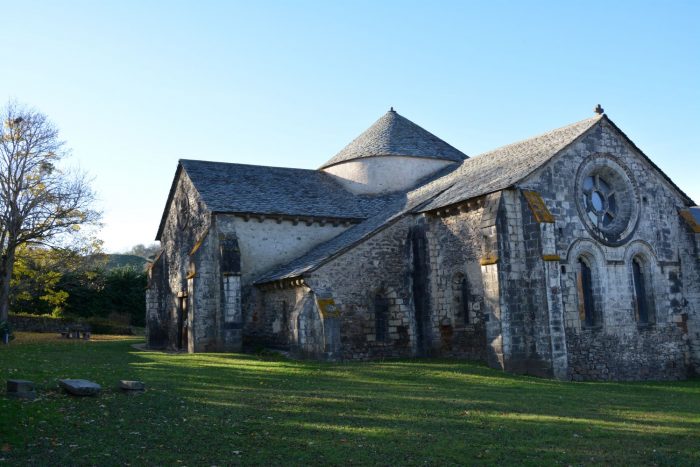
[394, 135]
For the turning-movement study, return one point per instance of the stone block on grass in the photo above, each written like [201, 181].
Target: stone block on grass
[126, 385]
[80, 387]
[20, 389]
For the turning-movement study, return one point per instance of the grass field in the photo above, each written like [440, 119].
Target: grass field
[223, 409]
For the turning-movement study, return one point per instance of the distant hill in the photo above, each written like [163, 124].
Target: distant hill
[119, 261]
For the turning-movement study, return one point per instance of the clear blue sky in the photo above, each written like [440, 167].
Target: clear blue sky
[136, 85]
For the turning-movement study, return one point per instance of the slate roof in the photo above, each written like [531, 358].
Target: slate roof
[239, 188]
[507, 165]
[476, 176]
[254, 189]
[231, 188]
[394, 135]
[326, 251]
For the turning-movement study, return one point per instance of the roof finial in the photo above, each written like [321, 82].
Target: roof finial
[392, 109]
[599, 110]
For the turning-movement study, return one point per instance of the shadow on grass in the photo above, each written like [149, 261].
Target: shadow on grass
[227, 409]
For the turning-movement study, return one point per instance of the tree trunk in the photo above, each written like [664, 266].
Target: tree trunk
[6, 268]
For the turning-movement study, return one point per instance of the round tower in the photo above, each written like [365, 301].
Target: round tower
[391, 155]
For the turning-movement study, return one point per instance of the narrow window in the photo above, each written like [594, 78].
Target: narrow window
[640, 277]
[464, 292]
[586, 306]
[460, 298]
[381, 317]
[285, 312]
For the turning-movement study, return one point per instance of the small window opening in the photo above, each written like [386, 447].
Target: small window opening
[586, 305]
[381, 317]
[642, 298]
[464, 295]
[285, 311]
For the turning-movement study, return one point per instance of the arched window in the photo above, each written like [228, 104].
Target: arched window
[586, 303]
[381, 317]
[643, 305]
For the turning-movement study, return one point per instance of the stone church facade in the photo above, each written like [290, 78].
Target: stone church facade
[568, 255]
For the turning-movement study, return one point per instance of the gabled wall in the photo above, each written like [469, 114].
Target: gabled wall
[186, 221]
[200, 283]
[617, 346]
[266, 242]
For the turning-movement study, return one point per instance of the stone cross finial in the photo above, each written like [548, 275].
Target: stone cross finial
[599, 110]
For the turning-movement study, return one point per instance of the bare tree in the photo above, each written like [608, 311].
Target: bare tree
[40, 203]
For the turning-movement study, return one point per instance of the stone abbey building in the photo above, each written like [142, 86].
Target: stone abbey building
[567, 255]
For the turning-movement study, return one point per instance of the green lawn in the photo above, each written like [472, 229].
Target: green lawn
[222, 409]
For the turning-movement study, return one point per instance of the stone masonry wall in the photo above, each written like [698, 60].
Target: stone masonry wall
[186, 222]
[689, 319]
[205, 294]
[650, 355]
[383, 264]
[524, 290]
[291, 318]
[454, 239]
[270, 323]
[618, 347]
[264, 243]
[352, 280]
[193, 245]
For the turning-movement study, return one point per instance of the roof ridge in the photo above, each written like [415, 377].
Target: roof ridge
[505, 166]
[199, 161]
[541, 135]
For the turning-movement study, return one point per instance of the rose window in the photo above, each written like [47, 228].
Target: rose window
[607, 199]
[599, 200]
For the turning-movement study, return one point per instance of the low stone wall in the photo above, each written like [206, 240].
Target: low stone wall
[26, 323]
[38, 323]
[654, 353]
